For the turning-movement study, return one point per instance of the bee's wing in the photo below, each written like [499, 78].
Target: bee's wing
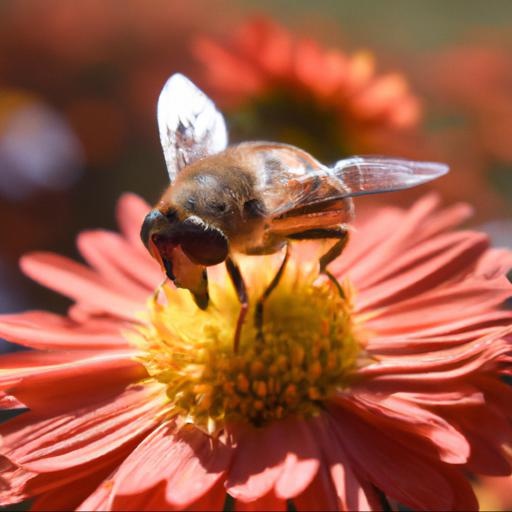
[322, 195]
[190, 126]
[372, 175]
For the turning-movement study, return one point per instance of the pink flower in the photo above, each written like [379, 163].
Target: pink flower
[140, 404]
[338, 100]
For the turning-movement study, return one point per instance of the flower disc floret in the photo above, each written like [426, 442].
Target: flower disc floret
[306, 352]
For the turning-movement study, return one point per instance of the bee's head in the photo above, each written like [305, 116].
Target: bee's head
[184, 248]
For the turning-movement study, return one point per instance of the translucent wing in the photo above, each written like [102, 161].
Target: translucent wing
[190, 126]
[298, 188]
[373, 175]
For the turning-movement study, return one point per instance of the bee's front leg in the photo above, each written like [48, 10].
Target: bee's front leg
[241, 291]
[341, 235]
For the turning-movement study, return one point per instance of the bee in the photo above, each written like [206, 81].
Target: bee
[251, 198]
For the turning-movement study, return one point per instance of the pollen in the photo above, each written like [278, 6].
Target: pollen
[308, 351]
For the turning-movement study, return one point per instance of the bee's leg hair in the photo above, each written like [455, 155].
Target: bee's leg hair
[241, 291]
[341, 235]
[258, 314]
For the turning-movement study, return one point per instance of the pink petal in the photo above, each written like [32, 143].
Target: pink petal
[359, 247]
[79, 283]
[440, 336]
[404, 373]
[155, 500]
[487, 429]
[51, 382]
[301, 462]
[464, 395]
[25, 484]
[430, 255]
[463, 495]
[42, 330]
[255, 470]
[400, 474]
[348, 487]
[487, 458]
[320, 495]
[123, 266]
[410, 418]
[268, 503]
[214, 499]
[69, 496]
[498, 394]
[493, 263]
[399, 239]
[88, 433]
[106, 252]
[98, 500]
[491, 346]
[190, 461]
[424, 383]
[289, 461]
[428, 313]
[150, 500]
[445, 220]
[422, 277]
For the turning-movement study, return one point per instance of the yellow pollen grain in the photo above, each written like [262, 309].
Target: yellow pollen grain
[311, 347]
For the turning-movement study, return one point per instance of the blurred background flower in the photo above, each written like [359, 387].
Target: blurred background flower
[287, 88]
[468, 88]
[38, 148]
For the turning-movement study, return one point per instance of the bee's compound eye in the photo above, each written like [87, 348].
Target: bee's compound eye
[204, 246]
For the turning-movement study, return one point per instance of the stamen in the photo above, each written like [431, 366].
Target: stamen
[312, 347]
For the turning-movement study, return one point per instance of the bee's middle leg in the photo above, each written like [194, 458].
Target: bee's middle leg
[241, 291]
[339, 234]
[258, 313]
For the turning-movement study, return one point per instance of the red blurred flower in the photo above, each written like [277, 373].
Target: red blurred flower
[396, 390]
[468, 89]
[286, 84]
[474, 82]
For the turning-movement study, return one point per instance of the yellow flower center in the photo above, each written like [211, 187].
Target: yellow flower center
[309, 350]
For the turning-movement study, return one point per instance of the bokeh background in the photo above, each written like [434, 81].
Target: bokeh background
[79, 83]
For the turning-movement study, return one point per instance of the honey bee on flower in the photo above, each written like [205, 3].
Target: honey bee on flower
[251, 198]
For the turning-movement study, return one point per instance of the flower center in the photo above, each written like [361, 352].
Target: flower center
[308, 351]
